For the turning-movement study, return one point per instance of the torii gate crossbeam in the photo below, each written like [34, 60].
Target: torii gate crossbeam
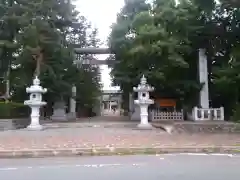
[93, 50]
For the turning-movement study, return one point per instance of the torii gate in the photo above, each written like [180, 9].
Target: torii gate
[93, 50]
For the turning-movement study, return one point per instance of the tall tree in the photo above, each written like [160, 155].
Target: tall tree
[163, 41]
[120, 41]
[8, 29]
[226, 61]
[158, 46]
[40, 45]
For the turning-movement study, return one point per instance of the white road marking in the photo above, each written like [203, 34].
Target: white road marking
[8, 169]
[198, 154]
[160, 156]
[217, 154]
[68, 166]
[195, 154]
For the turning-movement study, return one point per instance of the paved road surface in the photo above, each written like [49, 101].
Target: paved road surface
[164, 167]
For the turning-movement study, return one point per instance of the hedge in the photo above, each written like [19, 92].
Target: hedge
[9, 110]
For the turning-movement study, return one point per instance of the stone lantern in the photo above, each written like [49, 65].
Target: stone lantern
[143, 101]
[35, 103]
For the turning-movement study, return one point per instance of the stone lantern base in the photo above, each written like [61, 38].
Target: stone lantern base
[145, 126]
[35, 128]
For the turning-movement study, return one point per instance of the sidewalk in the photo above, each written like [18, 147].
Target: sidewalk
[107, 141]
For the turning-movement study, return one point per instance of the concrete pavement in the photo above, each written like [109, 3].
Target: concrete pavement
[110, 141]
[167, 167]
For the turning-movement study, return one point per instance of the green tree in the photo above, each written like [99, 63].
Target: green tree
[88, 82]
[226, 61]
[162, 41]
[8, 28]
[120, 40]
[40, 44]
[156, 43]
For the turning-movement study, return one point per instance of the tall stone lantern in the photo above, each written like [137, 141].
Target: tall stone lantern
[143, 101]
[35, 103]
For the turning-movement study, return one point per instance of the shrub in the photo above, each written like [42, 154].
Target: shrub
[9, 110]
[236, 114]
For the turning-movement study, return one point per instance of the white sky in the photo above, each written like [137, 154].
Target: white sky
[101, 13]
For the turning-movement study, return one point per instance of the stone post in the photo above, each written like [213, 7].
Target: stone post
[203, 78]
[72, 113]
[130, 104]
[59, 111]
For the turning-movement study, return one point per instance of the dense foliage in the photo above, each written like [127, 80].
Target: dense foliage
[161, 40]
[35, 39]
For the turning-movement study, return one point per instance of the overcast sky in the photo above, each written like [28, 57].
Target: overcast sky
[101, 13]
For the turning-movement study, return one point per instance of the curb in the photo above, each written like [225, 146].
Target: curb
[40, 153]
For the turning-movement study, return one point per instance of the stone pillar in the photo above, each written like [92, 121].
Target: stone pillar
[98, 106]
[135, 115]
[72, 113]
[110, 106]
[203, 78]
[59, 111]
[131, 104]
[134, 110]
[120, 106]
[99, 109]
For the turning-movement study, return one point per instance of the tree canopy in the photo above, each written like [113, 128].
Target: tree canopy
[36, 38]
[161, 40]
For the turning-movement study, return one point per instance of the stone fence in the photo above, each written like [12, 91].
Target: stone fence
[206, 114]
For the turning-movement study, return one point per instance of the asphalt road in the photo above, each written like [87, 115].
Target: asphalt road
[164, 167]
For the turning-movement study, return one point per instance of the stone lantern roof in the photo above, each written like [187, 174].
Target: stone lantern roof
[143, 86]
[36, 88]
